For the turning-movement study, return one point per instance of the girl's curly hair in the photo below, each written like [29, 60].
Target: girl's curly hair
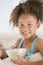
[32, 7]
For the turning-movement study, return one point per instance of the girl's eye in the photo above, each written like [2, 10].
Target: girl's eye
[29, 24]
[22, 25]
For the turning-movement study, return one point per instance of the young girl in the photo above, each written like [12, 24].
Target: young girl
[27, 17]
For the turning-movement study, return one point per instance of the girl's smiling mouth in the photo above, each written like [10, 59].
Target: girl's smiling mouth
[26, 33]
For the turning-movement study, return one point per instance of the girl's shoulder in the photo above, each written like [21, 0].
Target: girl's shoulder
[39, 42]
[39, 45]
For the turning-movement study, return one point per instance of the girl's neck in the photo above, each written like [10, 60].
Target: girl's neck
[31, 38]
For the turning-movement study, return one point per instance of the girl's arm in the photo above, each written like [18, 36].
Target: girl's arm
[36, 63]
[40, 46]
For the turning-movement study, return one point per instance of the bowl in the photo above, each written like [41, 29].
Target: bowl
[35, 57]
[13, 53]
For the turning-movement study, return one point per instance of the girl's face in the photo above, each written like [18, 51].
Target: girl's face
[27, 25]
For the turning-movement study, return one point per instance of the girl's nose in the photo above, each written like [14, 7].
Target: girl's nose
[26, 28]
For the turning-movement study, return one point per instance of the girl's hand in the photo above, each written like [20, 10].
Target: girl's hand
[21, 61]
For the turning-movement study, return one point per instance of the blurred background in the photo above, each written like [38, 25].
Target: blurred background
[6, 7]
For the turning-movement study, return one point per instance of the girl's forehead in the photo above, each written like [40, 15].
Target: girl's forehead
[27, 18]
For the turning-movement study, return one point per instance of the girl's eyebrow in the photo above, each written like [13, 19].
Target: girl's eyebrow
[29, 21]
[20, 22]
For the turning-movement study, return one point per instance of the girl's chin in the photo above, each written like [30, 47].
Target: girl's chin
[26, 37]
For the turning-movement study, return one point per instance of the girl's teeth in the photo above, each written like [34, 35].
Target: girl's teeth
[25, 33]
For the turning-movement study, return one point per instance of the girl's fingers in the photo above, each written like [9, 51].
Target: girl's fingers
[20, 61]
[15, 61]
[20, 58]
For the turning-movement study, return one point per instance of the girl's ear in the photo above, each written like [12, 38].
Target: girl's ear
[38, 24]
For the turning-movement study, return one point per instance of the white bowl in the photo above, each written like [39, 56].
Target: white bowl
[35, 57]
[13, 53]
